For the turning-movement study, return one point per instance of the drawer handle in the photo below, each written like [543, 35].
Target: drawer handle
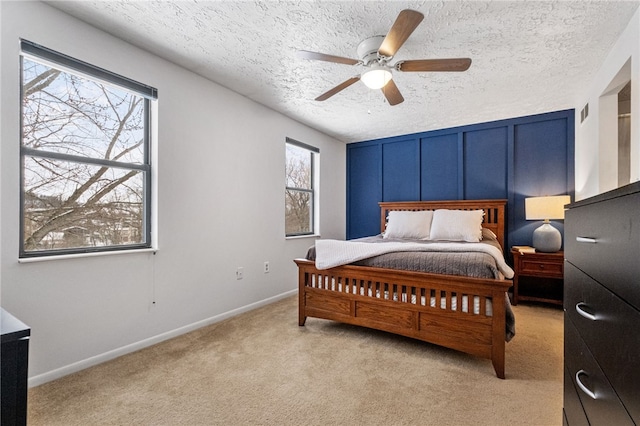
[586, 240]
[582, 387]
[584, 313]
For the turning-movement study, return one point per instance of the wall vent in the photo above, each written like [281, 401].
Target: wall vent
[584, 113]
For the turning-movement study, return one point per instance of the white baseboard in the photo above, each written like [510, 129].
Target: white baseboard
[107, 356]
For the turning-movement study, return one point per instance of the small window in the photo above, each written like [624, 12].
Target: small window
[300, 192]
[85, 157]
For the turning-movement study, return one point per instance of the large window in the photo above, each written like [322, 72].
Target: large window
[301, 192]
[85, 157]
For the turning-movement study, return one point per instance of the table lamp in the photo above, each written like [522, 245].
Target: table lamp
[546, 238]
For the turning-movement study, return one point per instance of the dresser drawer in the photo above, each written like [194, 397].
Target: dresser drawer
[573, 411]
[603, 239]
[613, 337]
[602, 407]
[541, 267]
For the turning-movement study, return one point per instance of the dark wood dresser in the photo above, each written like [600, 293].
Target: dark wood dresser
[14, 355]
[602, 309]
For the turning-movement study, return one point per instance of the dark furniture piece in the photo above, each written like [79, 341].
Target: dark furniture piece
[543, 275]
[341, 294]
[15, 357]
[602, 309]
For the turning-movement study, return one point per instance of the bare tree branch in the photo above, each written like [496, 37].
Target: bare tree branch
[63, 126]
[40, 82]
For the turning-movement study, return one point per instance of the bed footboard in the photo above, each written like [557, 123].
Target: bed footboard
[461, 313]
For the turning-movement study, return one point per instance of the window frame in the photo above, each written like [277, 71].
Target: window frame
[312, 190]
[64, 63]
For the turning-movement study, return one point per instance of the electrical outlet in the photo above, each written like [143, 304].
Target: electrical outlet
[266, 267]
[240, 273]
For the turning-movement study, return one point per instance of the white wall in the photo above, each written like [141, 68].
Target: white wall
[596, 138]
[220, 205]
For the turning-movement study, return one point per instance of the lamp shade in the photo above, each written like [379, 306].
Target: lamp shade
[545, 208]
[376, 77]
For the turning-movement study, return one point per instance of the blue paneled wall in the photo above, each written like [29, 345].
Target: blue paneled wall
[511, 159]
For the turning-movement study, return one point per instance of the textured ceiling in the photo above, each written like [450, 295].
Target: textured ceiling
[528, 57]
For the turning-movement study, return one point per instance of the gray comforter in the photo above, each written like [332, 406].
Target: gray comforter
[469, 264]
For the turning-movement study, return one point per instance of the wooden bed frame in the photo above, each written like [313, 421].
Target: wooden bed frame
[348, 294]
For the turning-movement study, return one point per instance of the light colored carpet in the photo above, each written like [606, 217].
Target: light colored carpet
[260, 368]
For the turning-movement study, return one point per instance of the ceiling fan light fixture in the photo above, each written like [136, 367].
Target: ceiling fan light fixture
[374, 54]
[376, 77]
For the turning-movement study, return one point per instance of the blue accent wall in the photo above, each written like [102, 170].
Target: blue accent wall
[511, 159]
[364, 188]
[439, 179]
[401, 170]
[485, 163]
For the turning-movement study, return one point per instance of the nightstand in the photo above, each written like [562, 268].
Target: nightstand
[538, 277]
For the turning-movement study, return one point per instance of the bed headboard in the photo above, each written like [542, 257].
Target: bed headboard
[494, 217]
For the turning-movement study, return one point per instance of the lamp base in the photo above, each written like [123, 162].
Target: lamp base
[547, 239]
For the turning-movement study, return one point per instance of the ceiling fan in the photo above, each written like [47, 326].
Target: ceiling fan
[375, 54]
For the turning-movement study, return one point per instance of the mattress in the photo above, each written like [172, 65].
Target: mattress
[470, 264]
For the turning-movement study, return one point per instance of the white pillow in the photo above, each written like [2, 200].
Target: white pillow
[409, 224]
[457, 225]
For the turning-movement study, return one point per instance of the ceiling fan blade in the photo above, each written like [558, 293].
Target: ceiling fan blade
[391, 92]
[406, 22]
[305, 54]
[455, 64]
[337, 89]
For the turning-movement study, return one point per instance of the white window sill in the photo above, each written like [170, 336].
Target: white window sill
[298, 237]
[79, 255]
